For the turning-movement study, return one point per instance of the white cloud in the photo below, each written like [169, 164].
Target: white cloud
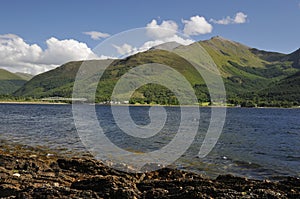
[18, 56]
[149, 44]
[196, 25]
[165, 29]
[61, 51]
[159, 34]
[125, 49]
[96, 35]
[223, 21]
[239, 18]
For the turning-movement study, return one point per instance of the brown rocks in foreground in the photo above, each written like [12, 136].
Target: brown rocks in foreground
[29, 174]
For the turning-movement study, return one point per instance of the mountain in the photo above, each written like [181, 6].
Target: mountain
[268, 56]
[245, 69]
[166, 46]
[286, 90]
[10, 82]
[52, 83]
[59, 81]
[294, 58]
[25, 76]
[248, 74]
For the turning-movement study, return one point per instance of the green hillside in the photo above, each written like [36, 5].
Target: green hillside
[294, 58]
[59, 82]
[150, 93]
[286, 90]
[9, 82]
[248, 74]
[245, 69]
[52, 83]
[224, 52]
[25, 76]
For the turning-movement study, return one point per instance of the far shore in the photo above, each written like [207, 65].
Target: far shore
[202, 106]
[30, 102]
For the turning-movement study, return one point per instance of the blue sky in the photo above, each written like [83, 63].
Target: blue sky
[269, 25]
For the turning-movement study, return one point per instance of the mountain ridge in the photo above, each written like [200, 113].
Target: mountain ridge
[244, 70]
[10, 82]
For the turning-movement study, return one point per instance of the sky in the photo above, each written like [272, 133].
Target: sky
[36, 36]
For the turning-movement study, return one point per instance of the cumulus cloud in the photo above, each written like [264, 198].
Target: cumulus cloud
[196, 25]
[96, 35]
[149, 44]
[159, 34]
[18, 56]
[239, 18]
[125, 49]
[165, 29]
[61, 51]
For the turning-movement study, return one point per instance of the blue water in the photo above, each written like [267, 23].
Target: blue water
[256, 142]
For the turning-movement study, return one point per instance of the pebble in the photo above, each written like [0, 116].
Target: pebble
[17, 175]
[89, 178]
[224, 158]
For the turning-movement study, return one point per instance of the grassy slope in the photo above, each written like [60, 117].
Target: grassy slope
[25, 76]
[51, 83]
[59, 82]
[286, 89]
[9, 82]
[118, 68]
[245, 69]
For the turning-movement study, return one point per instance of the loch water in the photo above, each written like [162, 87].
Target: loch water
[255, 142]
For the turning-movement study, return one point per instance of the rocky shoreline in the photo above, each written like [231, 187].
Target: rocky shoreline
[27, 172]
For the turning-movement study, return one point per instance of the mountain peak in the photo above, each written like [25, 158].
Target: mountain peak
[219, 38]
[225, 40]
[166, 46]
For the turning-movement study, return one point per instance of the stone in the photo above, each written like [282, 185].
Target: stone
[22, 176]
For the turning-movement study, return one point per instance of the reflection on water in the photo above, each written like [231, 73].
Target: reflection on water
[256, 143]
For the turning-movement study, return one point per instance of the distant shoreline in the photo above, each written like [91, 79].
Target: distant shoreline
[136, 105]
[30, 102]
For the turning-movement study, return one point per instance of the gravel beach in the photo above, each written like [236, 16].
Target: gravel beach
[27, 172]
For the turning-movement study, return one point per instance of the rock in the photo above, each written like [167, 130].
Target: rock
[25, 176]
[231, 179]
[77, 165]
[156, 193]
[7, 190]
[17, 174]
[98, 184]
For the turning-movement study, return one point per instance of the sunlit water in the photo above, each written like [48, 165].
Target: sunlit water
[256, 143]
